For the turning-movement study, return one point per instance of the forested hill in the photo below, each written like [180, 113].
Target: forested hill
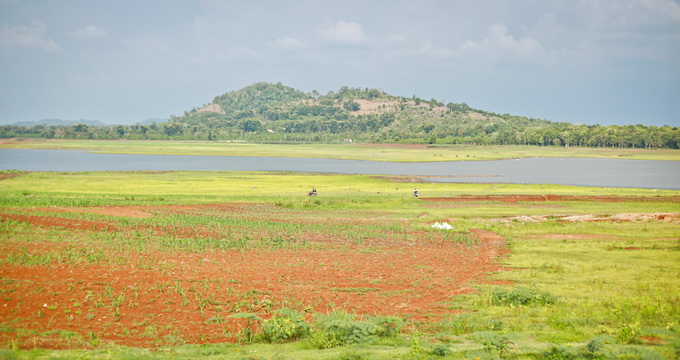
[278, 113]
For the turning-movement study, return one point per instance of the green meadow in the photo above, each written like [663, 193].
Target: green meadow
[353, 151]
[570, 289]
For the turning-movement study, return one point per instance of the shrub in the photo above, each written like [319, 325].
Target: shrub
[340, 328]
[522, 296]
[388, 326]
[596, 347]
[629, 332]
[492, 341]
[286, 325]
[440, 350]
[472, 322]
[558, 352]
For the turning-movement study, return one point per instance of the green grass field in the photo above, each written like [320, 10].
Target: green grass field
[352, 151]
[603, 286]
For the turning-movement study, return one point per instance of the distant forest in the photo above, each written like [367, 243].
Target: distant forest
[265, 112]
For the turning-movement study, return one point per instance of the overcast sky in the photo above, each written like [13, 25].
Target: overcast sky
[582, 61]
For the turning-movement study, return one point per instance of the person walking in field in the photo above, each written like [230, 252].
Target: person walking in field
[415, 192]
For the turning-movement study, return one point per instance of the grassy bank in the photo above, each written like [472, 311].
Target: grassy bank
[583, 278]
[383, 152]
[97, 188]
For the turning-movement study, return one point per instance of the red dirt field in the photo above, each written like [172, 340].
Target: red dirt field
[110, 292]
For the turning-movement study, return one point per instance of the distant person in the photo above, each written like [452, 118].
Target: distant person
[415, 192]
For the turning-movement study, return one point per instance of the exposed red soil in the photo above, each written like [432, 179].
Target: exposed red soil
[567, 236]
[14, 140]
[169, 297]
[651, 340]
[622, 217]
[59, 222]
[512, 199]
[4, 176]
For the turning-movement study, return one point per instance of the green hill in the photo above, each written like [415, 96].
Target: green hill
[282, 113]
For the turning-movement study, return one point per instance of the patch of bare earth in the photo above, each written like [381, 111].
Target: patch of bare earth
[14, 141]
[135, 297]
[214, 108]
[10, 175]
[623, 217]
[375, 107]
[122, 211]
[568, 236]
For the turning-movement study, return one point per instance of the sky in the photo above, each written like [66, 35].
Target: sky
[120, 62]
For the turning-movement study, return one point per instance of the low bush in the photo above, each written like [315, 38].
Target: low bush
[559, 352]
[340, 328]
[465, 323]
[286, 325]
[522, 296]
[492, 342]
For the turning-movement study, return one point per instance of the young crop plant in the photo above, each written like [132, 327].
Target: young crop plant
[247, 333]
[217, 319]
[182, 293]
[115, 303]
[202, 303]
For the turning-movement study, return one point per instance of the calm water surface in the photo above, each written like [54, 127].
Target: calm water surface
[564, 171]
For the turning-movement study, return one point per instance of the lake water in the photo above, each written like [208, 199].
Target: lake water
[564, 171]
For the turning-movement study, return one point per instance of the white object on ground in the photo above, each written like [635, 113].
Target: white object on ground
[442, 226]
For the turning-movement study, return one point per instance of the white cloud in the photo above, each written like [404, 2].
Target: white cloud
[499, 44]
[290, 43]
[426, 50]
[667, 7]
[32, 36]
[219, 40]
[90, 32]
[629, 13]
[343, 32]
[553, 35]
[619, 31]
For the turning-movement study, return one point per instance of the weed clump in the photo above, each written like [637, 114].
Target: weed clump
[560, 352]
[286, 325]
[340, 328]
[492, 342]
[522, 296]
